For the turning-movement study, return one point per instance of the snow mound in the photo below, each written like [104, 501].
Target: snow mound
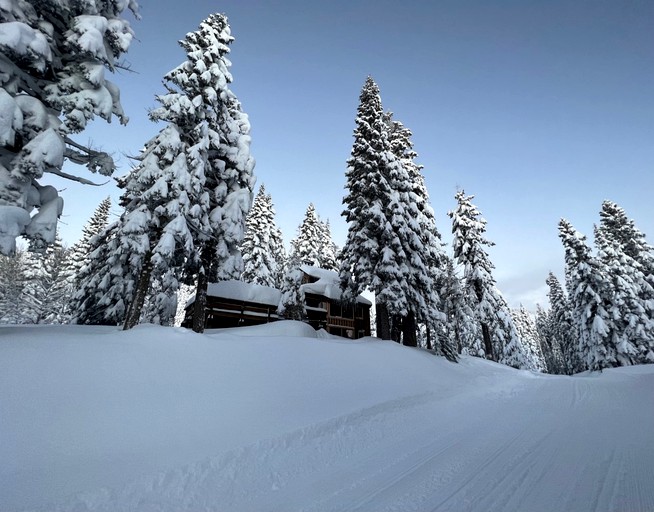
[279, 418]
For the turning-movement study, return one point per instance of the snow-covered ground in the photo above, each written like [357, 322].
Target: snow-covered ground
[281, 418]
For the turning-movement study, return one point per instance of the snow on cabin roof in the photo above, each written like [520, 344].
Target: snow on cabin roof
[240, 290]
[328, 284]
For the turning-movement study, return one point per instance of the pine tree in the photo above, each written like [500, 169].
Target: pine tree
[229, 170]
[292, 304]
[631, 329]
[562, 341]
[79, 253]
[55, 54]
[420, 237]
[457, 330]
[12, 282]
[307, 246]
[382, 253]
[587, 290]
[500, 340]
[525, 326]
[625, 242]
[262, 248]
[327, 249]
[106, 282]
[46, 293]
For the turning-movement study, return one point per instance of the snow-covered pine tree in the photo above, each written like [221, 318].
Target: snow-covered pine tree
[79, 253]
[631, 329]
[525, 326]
[54, 54]
[628, 243]
[12, 281]
[562, 337]
[500, 340]
[46, 292]
[419, 236]
[373, 257]
[186, 201]
[105, 284]
[327, 248]
[161, 197]
[458, 329]
[307, 246]
[543, 323]
[262, 248]
[229, 178]
[587, 289]
[292, 303]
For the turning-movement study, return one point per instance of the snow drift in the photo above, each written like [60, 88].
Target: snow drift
[279, 417]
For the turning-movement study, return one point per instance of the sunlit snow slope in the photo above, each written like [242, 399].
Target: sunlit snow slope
[278, 418]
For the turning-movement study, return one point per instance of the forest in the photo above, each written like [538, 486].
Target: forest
[189, 214]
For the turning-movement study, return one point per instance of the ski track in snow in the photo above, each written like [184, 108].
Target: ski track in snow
[472, 437]
[391, 457]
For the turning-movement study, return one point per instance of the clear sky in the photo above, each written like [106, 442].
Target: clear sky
[541, 109]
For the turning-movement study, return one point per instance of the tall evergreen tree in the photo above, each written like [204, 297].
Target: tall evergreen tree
[186, 201]
[525, 326]
[12, 282]
[622, 245]
[307, 246]
[45, 295]
[420, 237]
[562, 342]
[500, 340]
[229, 170]
[457, 331]
[631, 329]
[55, 54]
[105, 283]
[79, 253]
[587, 290]
[292, 303]
[327, 248]
[383, 252]
[262, 248]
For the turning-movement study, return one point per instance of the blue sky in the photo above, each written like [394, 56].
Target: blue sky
[541, 109]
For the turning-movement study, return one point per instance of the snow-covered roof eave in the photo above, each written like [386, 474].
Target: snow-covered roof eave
[328, 284]
[242, 291]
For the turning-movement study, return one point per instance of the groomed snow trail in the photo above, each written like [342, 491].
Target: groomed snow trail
[487, 439]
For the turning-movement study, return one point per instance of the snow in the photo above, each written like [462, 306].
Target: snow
[13, 220]
[279, 417]
[24, 40]
[327, 285]
[239, 290]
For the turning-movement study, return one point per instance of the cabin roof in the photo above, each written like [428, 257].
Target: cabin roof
[242, 291]
[327, 285]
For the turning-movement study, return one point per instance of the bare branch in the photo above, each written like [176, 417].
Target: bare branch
[72, 177]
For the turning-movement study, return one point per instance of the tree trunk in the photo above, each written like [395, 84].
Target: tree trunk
[429, 345]
[488, 344]
[200, 304]
[383, 325]
[141, 292]
[409, 335]
[396, 328]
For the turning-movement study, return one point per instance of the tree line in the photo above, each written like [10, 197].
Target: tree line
[189, 216]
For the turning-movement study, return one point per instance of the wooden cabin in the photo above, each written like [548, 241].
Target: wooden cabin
[236, 304]
[326, 309]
